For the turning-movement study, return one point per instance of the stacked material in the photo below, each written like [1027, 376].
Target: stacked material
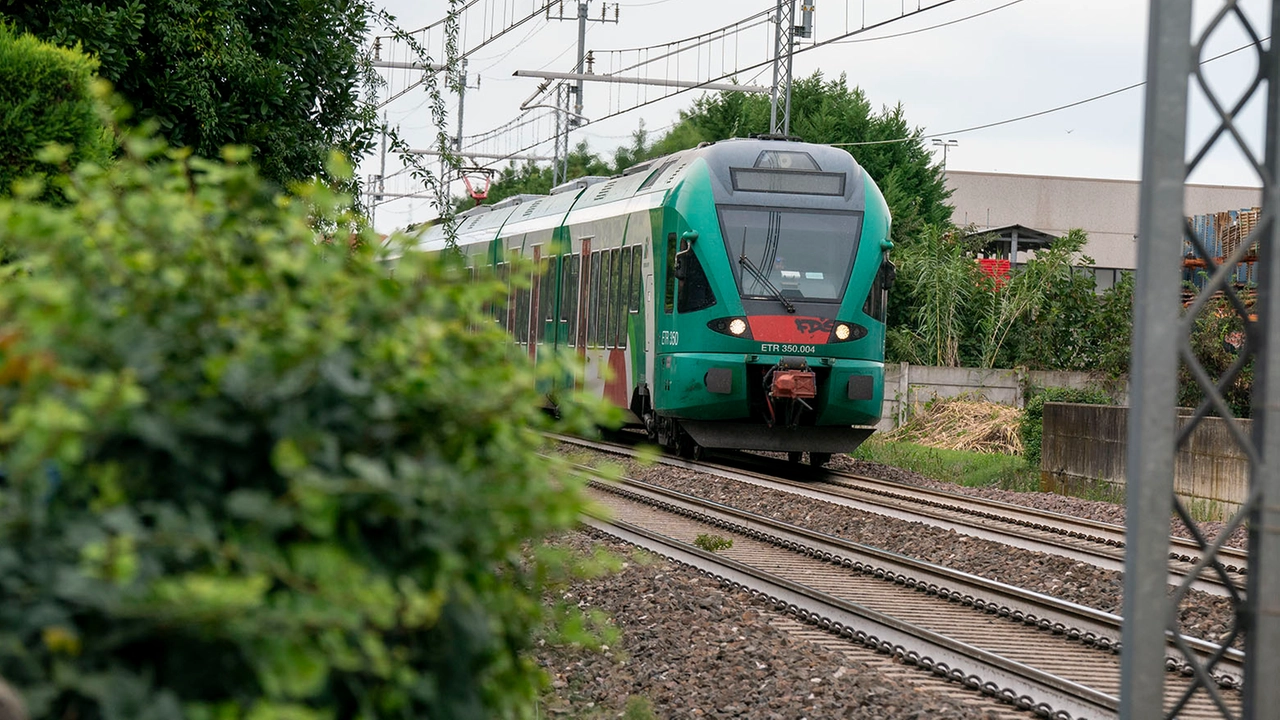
[1220, 234]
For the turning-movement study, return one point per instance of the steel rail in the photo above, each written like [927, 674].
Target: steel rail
[1028, 687]
[996, 527]
[1077, 622]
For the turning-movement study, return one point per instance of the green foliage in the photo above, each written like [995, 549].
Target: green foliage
[939, 280]
[1216, 341]
[47, 96]
[283, 77]
[971, 469]
[1026, 297]
[712, 543]
[1031, 426]
[249, 475]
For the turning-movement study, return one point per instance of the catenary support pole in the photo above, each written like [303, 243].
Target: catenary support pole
[1153, 411]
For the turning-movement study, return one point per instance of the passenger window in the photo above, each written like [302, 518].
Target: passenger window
[637, 283]
[500, 309]
[621, 288]
[570, 265]
[522, 311]
[546, 298]
[593, 331]
[602, 312]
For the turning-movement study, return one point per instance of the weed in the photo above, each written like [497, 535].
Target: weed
[638, 708]
[713, 543]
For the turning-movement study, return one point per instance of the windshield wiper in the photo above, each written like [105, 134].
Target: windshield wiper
[760, 277]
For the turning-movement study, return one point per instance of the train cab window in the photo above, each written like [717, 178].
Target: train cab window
[695, 290]
[593, 302]
[877, 303]
[570, 268]
[799, 254]
[546, 298]
[669, 302]
[621, 288]
[637, 282]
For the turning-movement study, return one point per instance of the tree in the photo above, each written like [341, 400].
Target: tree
[46, 96]
[249, 475]
[284, 77]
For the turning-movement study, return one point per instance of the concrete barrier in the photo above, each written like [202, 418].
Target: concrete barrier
[908, 387]
[1083, 452]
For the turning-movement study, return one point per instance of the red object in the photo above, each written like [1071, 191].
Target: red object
[996, 269]
[791, 328]
[794, 384]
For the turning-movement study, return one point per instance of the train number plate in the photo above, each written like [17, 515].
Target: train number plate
[788, 349]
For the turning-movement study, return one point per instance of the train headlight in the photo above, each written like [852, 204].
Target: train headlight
[737, 327]
[845, 332]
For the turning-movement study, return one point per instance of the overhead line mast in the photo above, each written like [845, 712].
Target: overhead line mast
[565, 120]
[785, 39]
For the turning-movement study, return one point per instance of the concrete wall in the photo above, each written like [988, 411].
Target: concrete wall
[908, 387]
[1105, 209]
[1084, 448]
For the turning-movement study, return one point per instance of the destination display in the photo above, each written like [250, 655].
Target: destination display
[800, 182]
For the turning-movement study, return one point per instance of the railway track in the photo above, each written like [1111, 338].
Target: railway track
[1032, 651]
[1096, 543]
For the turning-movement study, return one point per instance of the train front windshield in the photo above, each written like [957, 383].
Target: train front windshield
[803, 254]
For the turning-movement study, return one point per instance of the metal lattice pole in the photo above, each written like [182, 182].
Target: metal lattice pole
[1162, 339]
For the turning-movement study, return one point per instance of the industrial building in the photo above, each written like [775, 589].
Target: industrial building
[1039, 207]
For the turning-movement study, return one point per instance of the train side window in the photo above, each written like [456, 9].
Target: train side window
[669, 303]
[523, 298]
[593, 333]
[621, 288]
[500, 307]
[546, 298]
[637, 281]
[695, 290]
[570, 269]
[606, 285]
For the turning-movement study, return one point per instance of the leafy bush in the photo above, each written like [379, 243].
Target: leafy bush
[1217, 340]
[249, 475]
[1032, 425]
[46, 96]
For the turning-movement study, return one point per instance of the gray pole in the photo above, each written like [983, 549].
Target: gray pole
[1262, 640]
[777, 60]
[1153, 410]
[462, 99]
[582, 56]
[791, 43]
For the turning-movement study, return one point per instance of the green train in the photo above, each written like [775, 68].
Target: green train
[728, 296]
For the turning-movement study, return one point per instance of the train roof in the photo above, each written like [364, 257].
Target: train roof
[813, 166]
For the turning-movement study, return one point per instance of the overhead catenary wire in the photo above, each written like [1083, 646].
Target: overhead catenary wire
[1040, 113]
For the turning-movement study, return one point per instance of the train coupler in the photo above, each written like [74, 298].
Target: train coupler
[789, 384]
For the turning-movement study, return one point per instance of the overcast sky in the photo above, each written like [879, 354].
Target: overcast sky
[1022, 57]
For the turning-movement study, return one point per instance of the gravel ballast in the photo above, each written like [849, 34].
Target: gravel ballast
[690, 648]
[1201, 615]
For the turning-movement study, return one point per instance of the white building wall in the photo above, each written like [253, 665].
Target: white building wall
[1107, 210]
